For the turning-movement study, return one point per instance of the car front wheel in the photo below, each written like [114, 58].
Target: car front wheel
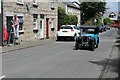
[92, 47]
[76, 45]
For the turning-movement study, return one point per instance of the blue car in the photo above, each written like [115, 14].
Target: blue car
[88, 37]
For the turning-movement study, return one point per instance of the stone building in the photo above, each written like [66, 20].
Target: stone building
[37, 18]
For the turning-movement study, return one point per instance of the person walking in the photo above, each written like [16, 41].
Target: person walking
[16, 28]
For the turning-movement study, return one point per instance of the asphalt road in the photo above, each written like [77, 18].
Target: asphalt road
[58, 60]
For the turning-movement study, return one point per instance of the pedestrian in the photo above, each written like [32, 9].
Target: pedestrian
[9, 29]
[16, 28]
[5, 36]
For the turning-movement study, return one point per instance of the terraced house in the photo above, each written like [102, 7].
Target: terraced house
[37, 18]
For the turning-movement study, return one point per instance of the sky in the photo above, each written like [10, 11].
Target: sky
[113, 6]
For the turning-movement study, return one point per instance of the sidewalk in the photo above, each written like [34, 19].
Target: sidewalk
[25, 45]
[112, 68]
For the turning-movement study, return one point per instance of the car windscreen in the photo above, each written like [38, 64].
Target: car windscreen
[88, 31]
[66, 27]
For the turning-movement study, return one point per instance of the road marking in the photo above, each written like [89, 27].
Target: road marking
[2, 77]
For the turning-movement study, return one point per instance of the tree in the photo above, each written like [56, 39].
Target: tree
[107, 21]
[92, 9]
[64, 19]
[61, 17]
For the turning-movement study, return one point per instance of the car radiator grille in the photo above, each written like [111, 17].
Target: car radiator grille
[84, 39]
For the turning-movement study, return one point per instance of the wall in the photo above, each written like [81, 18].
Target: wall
[12, 8]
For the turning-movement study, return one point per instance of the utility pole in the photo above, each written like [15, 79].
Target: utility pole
[1, 22]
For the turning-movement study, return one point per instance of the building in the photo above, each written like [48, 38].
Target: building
[37, 18]
[71, 8]
[119, 10]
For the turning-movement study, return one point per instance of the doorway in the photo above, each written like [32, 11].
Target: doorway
[8, 24]
[41, 28]
[47, 28]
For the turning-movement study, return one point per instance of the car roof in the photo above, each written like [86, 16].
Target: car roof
[68, 25]
[93, 27]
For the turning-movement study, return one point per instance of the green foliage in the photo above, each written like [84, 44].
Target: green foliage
[99, 21]
[61, 16]
[92, 9]
[64, 19]
[107, 21]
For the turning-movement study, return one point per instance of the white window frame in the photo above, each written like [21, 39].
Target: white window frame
[35, 22]
[52, 23]
[20, 2]
[35, 3]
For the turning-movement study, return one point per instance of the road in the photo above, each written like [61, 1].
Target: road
[58, 60]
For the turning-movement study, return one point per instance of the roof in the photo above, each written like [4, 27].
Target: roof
[70, 4]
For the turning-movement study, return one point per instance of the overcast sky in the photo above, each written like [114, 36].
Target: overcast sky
[113, 6]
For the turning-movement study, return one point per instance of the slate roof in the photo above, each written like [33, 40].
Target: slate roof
[70, 4]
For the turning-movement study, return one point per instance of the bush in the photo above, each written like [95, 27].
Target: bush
[107, 21]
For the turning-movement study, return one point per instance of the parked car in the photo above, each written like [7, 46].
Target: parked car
[68, 31]
[88, 38]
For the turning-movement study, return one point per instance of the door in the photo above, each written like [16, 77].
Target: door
[8, 23]
[47, 28]
[42, 29]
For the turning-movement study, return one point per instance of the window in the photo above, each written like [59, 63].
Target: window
[19, 1]
[35, 16]
[34, 2]
[20, 18]
[52, 23]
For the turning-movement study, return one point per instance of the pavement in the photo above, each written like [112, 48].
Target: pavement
[25, 45]
[111, 69]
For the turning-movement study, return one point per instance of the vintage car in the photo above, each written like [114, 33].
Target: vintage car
[88, 37]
